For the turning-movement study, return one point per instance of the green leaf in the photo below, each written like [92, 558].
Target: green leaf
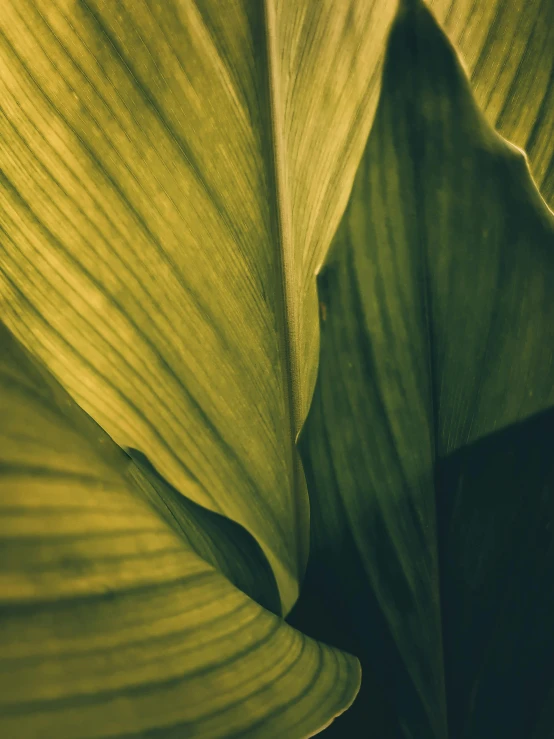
[437, 331]
[174, 174]
[110, 624]
[216, 539]
[508, 50]
[496, 517]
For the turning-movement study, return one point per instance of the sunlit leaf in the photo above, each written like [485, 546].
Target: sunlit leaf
[174, 175]
[110, 624]
[437, 331]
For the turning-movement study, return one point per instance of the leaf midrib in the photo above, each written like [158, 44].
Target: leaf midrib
[283, 208]
[286, 266]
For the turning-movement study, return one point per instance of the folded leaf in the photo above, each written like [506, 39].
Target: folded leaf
[437, 330]
[173, 174]
[110, 624]
[508, 50]
[216, 539]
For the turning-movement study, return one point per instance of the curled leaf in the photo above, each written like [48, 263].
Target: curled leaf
[110, 624]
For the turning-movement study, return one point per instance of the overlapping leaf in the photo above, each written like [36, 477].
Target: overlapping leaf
[173, 174]
[508, 50]
[437, 332]
[110, 624]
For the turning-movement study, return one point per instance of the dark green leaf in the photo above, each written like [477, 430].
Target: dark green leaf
[508, 50]
[437, 330]
[496, 543]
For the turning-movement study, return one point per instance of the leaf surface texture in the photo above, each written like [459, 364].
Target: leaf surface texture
[162, 218]
[437, 332]
[111, 625]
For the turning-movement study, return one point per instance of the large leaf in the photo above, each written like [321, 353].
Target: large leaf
[437, 331]
[173, 174]
[215, 538]
[110, 624]
[173, 177]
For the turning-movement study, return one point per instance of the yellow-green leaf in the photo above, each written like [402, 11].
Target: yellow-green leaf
[172, 175]
[110, 624]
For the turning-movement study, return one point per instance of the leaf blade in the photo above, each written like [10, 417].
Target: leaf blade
[143, 260]
[507, 49]
[110, 624]
[436, 331]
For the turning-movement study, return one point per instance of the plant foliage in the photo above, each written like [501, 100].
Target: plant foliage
[224, 486]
